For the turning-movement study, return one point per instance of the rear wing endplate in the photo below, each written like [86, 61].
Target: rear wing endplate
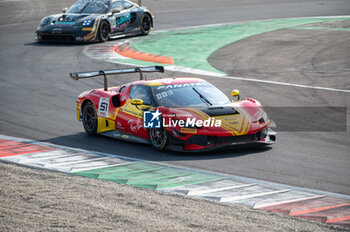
[105, 73]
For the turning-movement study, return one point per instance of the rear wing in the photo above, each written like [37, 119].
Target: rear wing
[104, 73]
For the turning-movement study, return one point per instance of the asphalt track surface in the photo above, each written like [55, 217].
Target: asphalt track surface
[38, 97]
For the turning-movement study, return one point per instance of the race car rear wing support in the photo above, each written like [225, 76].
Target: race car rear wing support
[105, 73]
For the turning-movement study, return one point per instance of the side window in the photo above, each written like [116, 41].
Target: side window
[122, 88]
[127, 5]
[117, 4]
[140, 92]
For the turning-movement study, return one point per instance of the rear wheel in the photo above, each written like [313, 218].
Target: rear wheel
[146, 24]
[103, 31]
[159, 138]
[90, 119]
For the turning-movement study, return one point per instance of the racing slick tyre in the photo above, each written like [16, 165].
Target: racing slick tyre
[103, 31]
[90, 119]
[146, 24]
[159, 138]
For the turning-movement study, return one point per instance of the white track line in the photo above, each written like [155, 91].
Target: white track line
[213, 74]
[240, 22]
[206, 73]
[224, 76]
[287, 84]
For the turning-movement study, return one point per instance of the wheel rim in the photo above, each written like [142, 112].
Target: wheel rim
[157, 137]
[104, 30]
[146, 23]
[89, 118]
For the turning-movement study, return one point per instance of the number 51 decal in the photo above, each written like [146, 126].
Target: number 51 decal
[103, 106]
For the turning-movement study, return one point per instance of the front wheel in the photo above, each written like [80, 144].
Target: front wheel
[159, 138]
[146, 24]
[103, 31]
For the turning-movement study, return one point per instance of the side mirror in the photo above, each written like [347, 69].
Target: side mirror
[116, 10]
[139, 104]
[136, 102]
[235, 94]
[64, 10]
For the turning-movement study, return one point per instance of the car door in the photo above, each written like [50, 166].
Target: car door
[131, 116]
[121, 20]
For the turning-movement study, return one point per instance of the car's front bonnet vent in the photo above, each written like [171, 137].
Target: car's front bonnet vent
[219, 110]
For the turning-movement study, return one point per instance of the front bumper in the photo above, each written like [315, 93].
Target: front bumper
[208, 143]
[64, 35]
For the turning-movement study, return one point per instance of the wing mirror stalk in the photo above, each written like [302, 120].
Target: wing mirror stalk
[114, 11]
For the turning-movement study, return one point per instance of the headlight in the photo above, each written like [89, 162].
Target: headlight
[264, 118]
[87, 23]
[45, 21]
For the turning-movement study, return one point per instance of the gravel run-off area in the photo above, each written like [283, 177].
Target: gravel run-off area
[40, 200]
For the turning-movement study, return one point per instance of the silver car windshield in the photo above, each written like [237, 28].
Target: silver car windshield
[89, 6]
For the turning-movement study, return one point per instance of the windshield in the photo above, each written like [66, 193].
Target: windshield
[90, 6]
[191, 94]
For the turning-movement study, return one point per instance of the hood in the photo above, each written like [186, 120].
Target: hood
[217, 123]
[68, 18]
[249, 108]
[183, 113]
[75, 17]
[238, 118]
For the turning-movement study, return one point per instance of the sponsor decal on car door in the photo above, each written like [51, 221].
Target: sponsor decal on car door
[121, 22]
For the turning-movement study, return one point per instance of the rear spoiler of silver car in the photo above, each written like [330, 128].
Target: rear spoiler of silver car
[104, 73]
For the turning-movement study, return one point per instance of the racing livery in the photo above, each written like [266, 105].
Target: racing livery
[95, 20]
[193, 114]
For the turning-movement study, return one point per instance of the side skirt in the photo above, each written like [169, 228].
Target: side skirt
[124, 136]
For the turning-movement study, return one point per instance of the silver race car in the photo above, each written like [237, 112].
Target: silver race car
[96, 20]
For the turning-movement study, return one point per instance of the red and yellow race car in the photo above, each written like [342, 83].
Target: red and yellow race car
[181, 114]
